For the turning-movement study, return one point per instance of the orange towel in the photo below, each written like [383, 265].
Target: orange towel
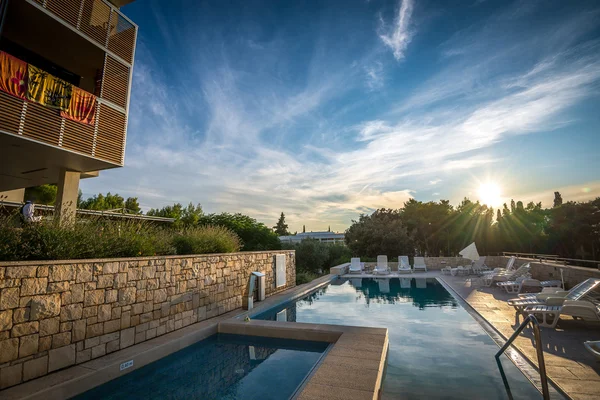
[48, 90]
[82, 107]
[13, 75]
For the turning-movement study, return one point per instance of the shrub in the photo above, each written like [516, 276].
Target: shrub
[206, 239]
[254, 235]
[305, 277]
[317, 257]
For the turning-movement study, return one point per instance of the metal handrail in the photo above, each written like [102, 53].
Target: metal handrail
[551, 257]
[538, 347]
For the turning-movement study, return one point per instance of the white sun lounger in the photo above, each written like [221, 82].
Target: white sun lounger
[356, 266]
[529, 286]
[555, 298]
[510, 265]
[382, 266]
[505, 276]
[548, 316]
[419, 264]
[479, 266]
[404, 265]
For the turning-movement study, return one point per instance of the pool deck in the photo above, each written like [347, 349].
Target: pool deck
[570, 367]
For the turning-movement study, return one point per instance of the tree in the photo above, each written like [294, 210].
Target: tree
[382, 232]
[191, 214]
[557, 199]
[132, 206]
[303, 228]
[281, 227]
[43, 194]
[102, 202]
[188, 216]
[255, 235]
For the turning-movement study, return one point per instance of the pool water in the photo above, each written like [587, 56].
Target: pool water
[436, 349]
[222, 366]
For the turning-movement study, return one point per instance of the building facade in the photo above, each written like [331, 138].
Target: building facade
[323, 237]
[65, 82]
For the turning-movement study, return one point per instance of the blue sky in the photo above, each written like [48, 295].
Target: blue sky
[328, 109]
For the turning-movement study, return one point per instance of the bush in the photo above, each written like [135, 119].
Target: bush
[254, 235]
[317, 257]
[305, 277]
[206, 239]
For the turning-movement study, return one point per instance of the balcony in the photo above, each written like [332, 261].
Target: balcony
[51, 36]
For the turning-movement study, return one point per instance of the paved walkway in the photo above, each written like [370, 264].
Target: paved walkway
[568, 364]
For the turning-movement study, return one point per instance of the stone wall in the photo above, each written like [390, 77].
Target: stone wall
[60, 313]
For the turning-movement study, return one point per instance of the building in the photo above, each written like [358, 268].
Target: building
[65, 81]
[324, 237]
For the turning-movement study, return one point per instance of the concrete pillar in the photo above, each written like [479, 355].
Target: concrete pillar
[66, 197]
[16, 195]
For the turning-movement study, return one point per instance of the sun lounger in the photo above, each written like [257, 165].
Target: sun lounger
[510, 265]
[520, 285]
[419, 264]
[555, 298]
[403, 265]
[382, 266]
[548, 316]
[356, 266]
[505, 276]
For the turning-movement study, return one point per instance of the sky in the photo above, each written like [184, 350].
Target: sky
[325, 110]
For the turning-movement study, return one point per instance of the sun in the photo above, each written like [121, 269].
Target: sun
[489, 194]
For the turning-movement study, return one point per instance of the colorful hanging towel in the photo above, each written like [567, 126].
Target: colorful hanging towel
[48, 90]
[13, 75]
[82, 107]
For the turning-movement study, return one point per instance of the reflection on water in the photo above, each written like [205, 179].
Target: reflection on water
[220, 367]
[437, 350]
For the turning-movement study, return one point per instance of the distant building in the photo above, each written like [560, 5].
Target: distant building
[324, 237]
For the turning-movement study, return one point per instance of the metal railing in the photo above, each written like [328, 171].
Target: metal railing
[554, 258]
[538, 347]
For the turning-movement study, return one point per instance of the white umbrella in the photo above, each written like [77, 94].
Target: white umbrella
[470, 252]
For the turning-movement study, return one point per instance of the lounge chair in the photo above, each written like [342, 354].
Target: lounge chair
[382, 266]
[505, 276]
[479, 266]
[593, 346]
[548, 316]
[419, 264]
[530, 286]
[403, 265]
[555, 298]
[510, 265]
[446, 270]
[356, 266]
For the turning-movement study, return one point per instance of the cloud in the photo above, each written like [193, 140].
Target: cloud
[435, 181]
[400, 35]
[374, 75]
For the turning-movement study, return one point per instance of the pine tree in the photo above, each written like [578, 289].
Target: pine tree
[281, 228]
[303, 228]
[557, 199]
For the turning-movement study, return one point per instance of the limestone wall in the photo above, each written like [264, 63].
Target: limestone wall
[60, 313]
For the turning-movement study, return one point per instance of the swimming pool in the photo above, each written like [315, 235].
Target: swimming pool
[220, 367]
[436, 349]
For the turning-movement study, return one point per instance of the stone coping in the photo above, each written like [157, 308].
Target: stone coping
[146, 258]
[353, 367]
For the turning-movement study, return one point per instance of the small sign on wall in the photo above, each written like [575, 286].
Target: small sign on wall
[280, 278]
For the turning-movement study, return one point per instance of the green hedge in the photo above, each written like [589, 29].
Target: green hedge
[101, 238]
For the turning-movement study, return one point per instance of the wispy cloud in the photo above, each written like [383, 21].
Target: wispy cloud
[400, 34]
[435, 181]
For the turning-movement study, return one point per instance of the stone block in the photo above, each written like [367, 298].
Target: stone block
[161, 330]
[9, 298]
[35, 368]
[62, 273]
[77, 292]
[10, 376]
[79, 330]
[26, 328]
[33, 286]
[28, 345]
[112, 326]
[45, 306]
[9, 350]
[148, 272]
[94, 330]
[84, 355]
[58, 287]
[104, 312]
[66, 326]
[43, 271]
[127, 338]
[71, 312]
[105, 281]
[160, 295]
[99, 351]
[45, 343]
[94, 297]
[112, 346]
[120, 280]
[125, 319]
[6, 320]
[61, 357]
[137, 309]
[140, 337]
[109, 337]
[116, 312]
[90, 311]
[61, 339]
[134, 274]
[146, 317]
[84, 273]
[49, 326]
[127, 296]
[21, 315]
[22, 271]
[111, 296]
[89, 343]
